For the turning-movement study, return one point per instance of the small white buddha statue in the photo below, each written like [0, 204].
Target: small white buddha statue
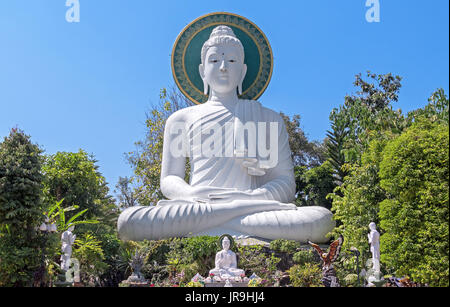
[230, 190]
[67, 240]
[226, 262]
[374, 241]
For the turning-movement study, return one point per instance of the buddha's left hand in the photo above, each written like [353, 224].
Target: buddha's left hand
[253, 167]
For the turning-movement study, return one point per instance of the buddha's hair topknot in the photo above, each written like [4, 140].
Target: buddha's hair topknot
[221, 31]
[222, 35]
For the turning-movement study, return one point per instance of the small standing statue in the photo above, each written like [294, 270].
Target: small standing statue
[374, 241]
[329, 278]
[67, 239]
[374, 278]
[226, 262]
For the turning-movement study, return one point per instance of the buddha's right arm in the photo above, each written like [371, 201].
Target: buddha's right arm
[172, 183]
[173, 165]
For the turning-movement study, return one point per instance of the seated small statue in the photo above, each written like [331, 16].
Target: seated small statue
[226, 262]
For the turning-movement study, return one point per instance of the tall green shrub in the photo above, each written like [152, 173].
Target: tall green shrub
[20, 209]
[415, 218]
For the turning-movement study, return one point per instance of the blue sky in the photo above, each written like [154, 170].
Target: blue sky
[88, 84]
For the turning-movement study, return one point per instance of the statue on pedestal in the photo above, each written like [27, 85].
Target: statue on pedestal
[329, 278]
[374, 277]
[67, 239]
[241, 171]
[374, 241]
[226, 262]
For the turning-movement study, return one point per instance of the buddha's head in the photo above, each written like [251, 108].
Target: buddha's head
[222, 65]
[226, 243]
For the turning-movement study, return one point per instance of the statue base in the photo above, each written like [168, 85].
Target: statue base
[62, 283]
[135, 280]
[222, 284]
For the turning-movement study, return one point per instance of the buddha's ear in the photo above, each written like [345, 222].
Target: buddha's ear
[201, 70]
[244, 72]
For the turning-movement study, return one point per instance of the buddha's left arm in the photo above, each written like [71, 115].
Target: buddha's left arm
[279, 182]
[233, 262]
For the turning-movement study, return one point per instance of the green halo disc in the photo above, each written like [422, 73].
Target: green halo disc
[219, 241]
[187, 49]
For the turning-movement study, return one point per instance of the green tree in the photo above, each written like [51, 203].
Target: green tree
[126, 196]
[360, 129]
[415, 218]
[21, 209]
[306, 155]
[335, 150]
[75, 178]
[370, 110]
[304, 152]
[314, 184]
[357, 201]
[435, 111]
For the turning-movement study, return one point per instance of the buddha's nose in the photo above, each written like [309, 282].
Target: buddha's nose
[223, 67]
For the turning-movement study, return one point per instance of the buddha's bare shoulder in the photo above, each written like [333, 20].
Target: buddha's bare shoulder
[185, 113]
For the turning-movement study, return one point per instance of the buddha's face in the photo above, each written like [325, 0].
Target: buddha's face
[223, 68]
[226, 244]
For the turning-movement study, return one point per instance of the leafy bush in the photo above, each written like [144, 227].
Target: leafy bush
[351, 280]
[75, 178]
[308, 275]
[255, 259]
[304, 256]
[156, 273]
[285, 246]
[89, 253]
[112, 250]
[415, 217]
[157, 250]
[200, 249]
[185, 252]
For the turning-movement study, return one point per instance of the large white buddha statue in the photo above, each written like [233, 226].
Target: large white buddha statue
[235, 186]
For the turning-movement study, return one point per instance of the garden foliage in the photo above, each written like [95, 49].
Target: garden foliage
[21, 210]
[414, 216]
